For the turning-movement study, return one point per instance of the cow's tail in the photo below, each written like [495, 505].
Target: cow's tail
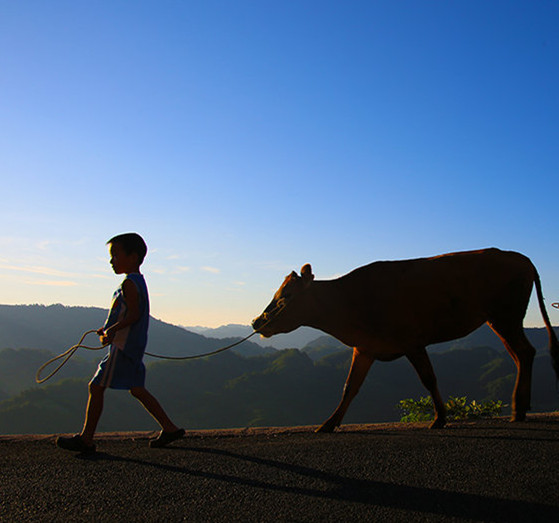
[553, 342]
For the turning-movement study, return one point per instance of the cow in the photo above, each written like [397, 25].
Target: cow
[389, 309]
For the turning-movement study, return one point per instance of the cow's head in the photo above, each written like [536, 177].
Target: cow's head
[286, 311]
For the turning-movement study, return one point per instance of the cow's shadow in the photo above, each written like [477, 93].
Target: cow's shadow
[351, 489]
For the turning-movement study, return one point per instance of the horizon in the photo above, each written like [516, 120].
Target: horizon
[243, 140]
[225, 325]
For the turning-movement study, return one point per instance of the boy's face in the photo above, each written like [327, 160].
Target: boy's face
[121, 262]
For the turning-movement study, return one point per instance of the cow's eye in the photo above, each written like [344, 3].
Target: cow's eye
[282, 301]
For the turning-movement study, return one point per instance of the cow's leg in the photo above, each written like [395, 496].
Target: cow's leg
[522, 353]
[360, 365]
[422, 365]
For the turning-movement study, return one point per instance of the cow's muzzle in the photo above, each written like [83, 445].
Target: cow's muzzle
[259, 322]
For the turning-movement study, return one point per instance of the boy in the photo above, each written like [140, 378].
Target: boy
[126, 330]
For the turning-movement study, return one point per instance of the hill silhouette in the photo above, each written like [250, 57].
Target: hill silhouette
[275, 388]
[291, 340]
[482, 337]
[57, 327]
[282, 389]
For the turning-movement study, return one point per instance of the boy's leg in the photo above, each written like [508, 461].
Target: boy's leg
[153, 406]
[93, 412]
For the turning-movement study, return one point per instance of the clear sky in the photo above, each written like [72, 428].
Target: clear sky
[243, 139]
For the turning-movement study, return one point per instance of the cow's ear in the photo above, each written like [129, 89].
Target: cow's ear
[306, 273]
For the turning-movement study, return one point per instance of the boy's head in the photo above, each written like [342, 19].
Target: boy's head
[131, 243]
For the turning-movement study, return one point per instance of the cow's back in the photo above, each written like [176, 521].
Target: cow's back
[428, 300]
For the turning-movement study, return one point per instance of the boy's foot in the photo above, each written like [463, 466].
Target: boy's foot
[165, 438]
[75, 443]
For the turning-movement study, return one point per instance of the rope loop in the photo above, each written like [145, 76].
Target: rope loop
[66, 355]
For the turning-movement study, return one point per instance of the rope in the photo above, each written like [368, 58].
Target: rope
[66, 355]
[277, 309]
[269, 315]
[200, 355]
[70, 352]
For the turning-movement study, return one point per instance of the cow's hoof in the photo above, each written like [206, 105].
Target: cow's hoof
[326, 427]
[439, 423]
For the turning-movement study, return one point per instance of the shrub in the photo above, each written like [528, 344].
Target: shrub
[457, 408]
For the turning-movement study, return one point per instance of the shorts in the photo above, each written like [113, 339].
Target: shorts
[118, 371]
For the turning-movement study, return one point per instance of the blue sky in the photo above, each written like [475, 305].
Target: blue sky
[244, 139]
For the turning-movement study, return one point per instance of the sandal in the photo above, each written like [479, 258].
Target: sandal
[75, 443]
[165, 438]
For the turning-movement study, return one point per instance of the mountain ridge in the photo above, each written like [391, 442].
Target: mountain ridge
[58, 327]
[232, 389]
[292, 340]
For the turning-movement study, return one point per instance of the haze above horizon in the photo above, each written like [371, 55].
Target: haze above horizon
[245, 139]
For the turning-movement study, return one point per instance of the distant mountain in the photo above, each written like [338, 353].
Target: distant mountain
[482, 337]
[324, 346]
[53, 327]
[57, 327]
[280, 389]
[287, 387]
[231, 330]
[318, 344]
[293, 340]
[18, 368]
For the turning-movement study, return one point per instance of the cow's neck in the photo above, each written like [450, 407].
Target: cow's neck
[326, 309]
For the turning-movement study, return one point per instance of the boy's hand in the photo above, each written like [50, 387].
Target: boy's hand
[106, 336]
[132, 299]
[101, 333]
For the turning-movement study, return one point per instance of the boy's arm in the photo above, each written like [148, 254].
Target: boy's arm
[132, 299]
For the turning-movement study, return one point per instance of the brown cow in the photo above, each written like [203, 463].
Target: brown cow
[390, 309]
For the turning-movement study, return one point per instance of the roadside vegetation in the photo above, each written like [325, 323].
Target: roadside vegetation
[458, 408]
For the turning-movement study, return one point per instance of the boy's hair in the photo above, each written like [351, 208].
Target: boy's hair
[131, 242]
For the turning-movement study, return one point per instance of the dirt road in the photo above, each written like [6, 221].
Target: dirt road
[476, 471]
